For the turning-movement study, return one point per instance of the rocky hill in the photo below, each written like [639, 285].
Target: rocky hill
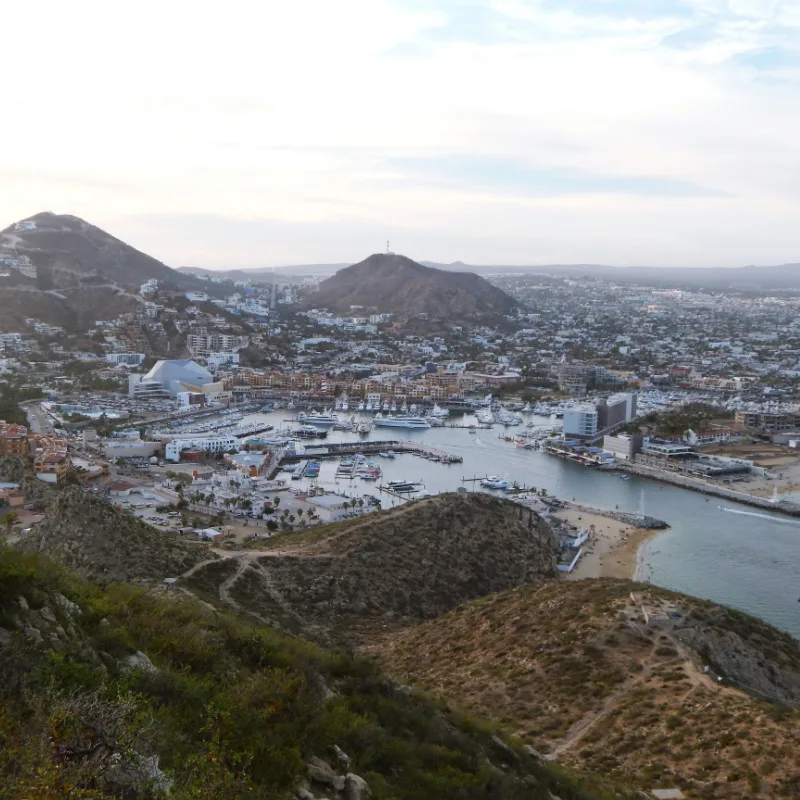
[99, 541]
[112, 692]
[637, 684]
[64, 271]
[388, 283]
[388, 570]
[68, 252]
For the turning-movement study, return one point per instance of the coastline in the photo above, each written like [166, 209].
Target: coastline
[615, 549]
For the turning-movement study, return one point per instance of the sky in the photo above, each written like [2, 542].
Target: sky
[247, 134]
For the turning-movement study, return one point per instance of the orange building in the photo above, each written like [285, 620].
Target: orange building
[13, 439]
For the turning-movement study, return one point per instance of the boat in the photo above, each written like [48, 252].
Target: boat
[473, 431]
[485, 416]
[364, 428]
[361, 406]
[497, 483]
[310, 432]
[386, 454]
[406, 421]
[322, 419]
[438, 411]
[393, 407]
[624, 477]
[402, 487]
[526, 409]
[368, 406]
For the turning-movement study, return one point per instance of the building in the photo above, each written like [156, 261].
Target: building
[13, 439]
[131, 359]
[581, 421]
[328, 507]
[623, 446]
[616, 410]
[141, 389]
[208, 343]
[130, 448]
[50, 458]
[208, 444]
[174, 376]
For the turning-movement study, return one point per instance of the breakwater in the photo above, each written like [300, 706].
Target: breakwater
[634, 520]
[704, 487]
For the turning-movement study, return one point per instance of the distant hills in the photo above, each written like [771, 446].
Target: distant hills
[781, 276]
[390, 283]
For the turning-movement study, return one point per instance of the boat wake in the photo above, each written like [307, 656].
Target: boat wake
[793, 522]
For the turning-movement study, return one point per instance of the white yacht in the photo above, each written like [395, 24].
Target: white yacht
[404, 421]
[361, 406]
[368, 406]
[485, 416]
[320, 419]
[393, 407]
[438, 411]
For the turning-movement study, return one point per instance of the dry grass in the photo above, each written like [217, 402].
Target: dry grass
[573, 669]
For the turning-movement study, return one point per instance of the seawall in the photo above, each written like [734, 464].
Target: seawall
[696, 485]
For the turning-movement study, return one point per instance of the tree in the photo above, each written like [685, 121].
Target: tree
[276, 501]
[8, 520]
[360, 503]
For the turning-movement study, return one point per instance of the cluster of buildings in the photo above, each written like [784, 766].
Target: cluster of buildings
[48, 453]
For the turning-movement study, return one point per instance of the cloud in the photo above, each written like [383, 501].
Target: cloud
[768, 59]
[624, 9]
[504, 175]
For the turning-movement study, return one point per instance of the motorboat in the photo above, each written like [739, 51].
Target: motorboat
[403, 421]
[321, 419]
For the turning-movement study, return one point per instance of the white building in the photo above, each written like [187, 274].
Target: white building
[197, 297]
[216, 360]
[328, 507]
[580, 421]
[208, 444]
[148, 287]
[180, 375]
[132, 359]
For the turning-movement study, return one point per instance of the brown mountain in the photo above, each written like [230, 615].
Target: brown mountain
[64, 271]
[388, 283]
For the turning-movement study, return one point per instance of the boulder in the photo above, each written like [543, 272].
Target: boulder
[67, 606]
[23, 603]
[320, 771]
[339, 783]
[341, 756]
[533, 753]
[355, 787]
[47, 615]
[137, 660]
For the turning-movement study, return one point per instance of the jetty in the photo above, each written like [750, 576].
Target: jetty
[704, 487]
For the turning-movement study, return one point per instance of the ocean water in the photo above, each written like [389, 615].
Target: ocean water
[714, 549]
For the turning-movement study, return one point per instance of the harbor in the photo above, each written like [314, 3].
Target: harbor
[748, 562]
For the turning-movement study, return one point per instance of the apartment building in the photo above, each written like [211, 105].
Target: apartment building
[13, 439]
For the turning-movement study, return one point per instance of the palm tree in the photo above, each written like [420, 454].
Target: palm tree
[360, 503]
[276, 501]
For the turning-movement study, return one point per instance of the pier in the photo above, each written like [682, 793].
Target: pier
[339, 449]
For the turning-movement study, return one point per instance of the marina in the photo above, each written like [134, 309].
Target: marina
[750, 563]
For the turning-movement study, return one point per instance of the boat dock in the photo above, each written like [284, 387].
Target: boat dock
[339, 449]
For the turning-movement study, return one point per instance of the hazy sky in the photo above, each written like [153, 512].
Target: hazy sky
[517, 131]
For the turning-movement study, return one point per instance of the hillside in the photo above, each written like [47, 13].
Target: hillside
[388, 283]
[101, 542]
[576, 669]
[388, 570]
[68, 252]
[67, 272]
[117, 692]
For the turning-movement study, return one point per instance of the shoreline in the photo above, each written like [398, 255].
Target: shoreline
[615, 549]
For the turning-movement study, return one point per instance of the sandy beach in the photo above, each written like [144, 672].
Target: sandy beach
[612, 550]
